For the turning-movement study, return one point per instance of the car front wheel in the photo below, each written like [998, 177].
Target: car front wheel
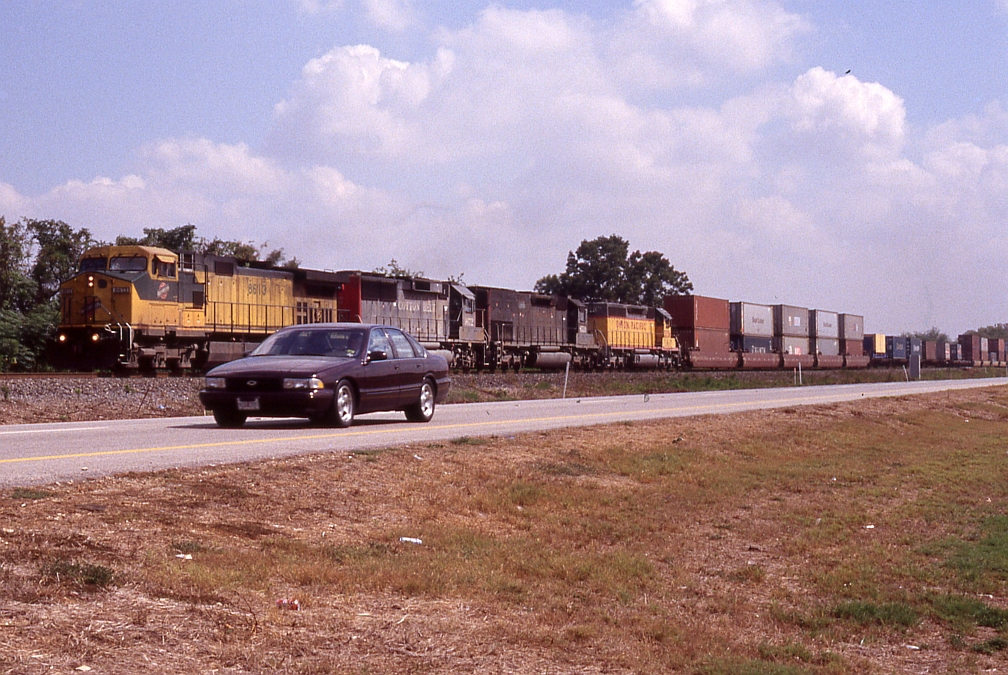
[344, 404]
[229, 419]
[423, 409]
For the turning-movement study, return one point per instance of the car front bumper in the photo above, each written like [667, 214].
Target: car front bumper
[270, 403]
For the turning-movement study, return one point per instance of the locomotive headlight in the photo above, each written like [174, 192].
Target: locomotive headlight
[90, 281]
[94, 337]
[215, 383]
[302, 383]
[62, 337]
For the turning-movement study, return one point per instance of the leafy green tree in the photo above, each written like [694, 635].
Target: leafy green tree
[998, 330]
[181, 238]
[17, 289]
[394, 269]
[934, 334]
[58, 248]
[604, 269]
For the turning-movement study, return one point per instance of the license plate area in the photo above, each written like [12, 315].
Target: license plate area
[246, 404]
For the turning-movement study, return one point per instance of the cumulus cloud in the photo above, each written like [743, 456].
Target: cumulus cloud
[666, 43]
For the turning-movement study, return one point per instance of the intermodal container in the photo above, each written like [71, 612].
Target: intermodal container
[791, 321]
[955, 352]
[929, 351]
[943, 352]
[824, 324]
[697, 311]
[791, 345]
[984, 350]
[896, 347]
[826, 346]
[914, 347]
[851, 327]
[852, 347]
[748, 318]
[704, 339]
[875, 345]
[752, 345]
[970, 348]
[996, 346]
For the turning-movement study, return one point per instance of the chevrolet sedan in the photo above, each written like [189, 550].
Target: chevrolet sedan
[328, 373]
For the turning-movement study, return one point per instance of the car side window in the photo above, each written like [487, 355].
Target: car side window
[379, 342]
[404, 350]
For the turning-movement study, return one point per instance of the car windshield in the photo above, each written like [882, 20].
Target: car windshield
[339, 342]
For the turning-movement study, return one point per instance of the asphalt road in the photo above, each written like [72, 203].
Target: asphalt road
[34, 454]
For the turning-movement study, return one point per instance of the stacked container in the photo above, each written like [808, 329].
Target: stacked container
[874, 345]
[996, 347]
[896, 348]
[702, 327]
[852, 341]
[752, 334]
[825, 338]
[791, 336]
[970, 349]
[985, 351]
[955, 353]
[929, 351]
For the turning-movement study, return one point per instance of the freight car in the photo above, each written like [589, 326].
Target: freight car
[140, 307]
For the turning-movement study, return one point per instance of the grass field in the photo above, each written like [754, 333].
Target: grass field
[862, 537]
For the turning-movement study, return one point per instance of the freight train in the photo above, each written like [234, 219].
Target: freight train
[148, 308]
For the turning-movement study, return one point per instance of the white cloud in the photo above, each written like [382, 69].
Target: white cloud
[666, 43]
[393, 15]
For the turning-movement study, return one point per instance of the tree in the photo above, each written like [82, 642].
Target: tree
[604, 269]
[58, 250]
[933, 334]
[17, 290]
[998, 330]
[184, 238]
[394, 269]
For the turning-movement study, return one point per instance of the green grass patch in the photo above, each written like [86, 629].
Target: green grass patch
[991, 646]
[966, 612]
[79, 574]
[983, 562]
[882, 614]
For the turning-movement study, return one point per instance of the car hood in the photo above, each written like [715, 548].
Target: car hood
[279, 366]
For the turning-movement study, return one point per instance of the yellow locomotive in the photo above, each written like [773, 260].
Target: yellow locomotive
[149, 308]
[634, 335]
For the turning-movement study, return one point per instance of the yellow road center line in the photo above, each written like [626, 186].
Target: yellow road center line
[469, 425]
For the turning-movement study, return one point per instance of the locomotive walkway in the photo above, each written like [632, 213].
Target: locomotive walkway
[34, 454]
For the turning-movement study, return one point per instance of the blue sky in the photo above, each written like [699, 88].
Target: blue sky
[490, 139]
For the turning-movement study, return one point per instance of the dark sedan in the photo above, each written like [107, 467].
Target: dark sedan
[328, 373]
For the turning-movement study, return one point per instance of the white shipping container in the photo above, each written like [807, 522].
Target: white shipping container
[751, 320]
[824, 324]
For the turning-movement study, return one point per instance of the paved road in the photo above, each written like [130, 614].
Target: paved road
[32, 454]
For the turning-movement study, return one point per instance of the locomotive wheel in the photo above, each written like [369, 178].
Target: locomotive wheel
[229, 419]
[423, 409]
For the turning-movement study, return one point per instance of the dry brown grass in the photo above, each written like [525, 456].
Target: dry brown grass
[711, 545]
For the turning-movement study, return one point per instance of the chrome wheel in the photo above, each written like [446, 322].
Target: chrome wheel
[343, 406]
[423, 409]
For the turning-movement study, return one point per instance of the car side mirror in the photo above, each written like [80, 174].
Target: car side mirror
[376, 355]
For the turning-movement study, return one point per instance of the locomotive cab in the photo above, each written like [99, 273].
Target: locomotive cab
[117, 291]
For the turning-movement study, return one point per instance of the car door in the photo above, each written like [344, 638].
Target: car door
[379, 383]
[409, 368]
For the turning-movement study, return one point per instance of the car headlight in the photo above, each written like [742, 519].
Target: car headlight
[302, 383]
[216, 383]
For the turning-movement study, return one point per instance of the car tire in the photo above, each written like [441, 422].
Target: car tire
[423, 409]
[229, 419]
[344, 404]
